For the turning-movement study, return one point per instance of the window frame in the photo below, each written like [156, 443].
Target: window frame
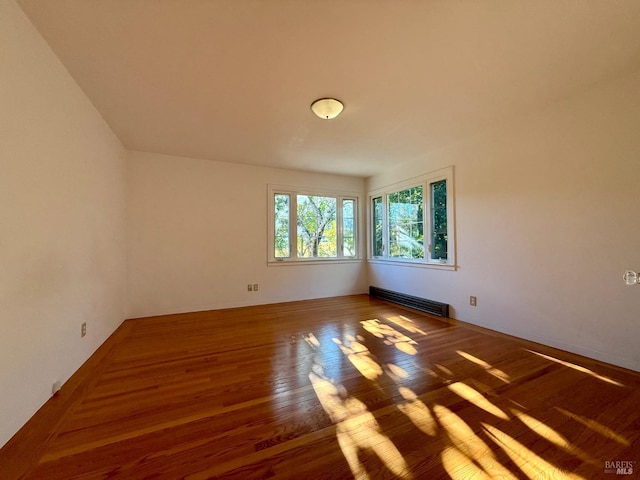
[425, 181]
[293, 193]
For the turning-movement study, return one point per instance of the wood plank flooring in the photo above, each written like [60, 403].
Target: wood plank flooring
[348, 387]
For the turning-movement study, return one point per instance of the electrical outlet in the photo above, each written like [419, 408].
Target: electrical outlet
[473, 301]
[249, 288]
[255, 287]
[83, 329]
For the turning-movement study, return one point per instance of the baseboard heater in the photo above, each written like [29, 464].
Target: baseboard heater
[422, 304]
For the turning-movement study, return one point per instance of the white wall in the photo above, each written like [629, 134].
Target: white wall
[198, 236]
[62, 223]
[548, 218]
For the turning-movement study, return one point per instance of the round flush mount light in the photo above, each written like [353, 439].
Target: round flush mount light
[327, 108]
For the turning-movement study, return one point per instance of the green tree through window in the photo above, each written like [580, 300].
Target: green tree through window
[312, 226]
[406, 224]
[439, 237]
[378, 246]
[412, 221]
[282, 247]
[316, 226]
[349, 227]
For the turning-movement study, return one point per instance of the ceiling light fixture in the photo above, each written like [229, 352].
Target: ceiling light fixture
[327, 108]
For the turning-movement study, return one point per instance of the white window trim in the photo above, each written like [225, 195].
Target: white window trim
[424, 180]
[293, 191]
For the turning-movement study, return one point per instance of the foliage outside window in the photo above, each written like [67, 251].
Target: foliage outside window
[349, 227]
[405, 217]
[413, 221]
[378, 245]
[317, 227]
[439, 224]
[281, 218]
[312, 227]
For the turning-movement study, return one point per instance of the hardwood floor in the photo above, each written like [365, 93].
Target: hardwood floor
[348, 387]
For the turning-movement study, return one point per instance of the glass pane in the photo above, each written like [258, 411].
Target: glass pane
[377, 227]
[406, 223]
[316, 218]
[348, 208]
[282, 249]
[439, 232]
[348, 228]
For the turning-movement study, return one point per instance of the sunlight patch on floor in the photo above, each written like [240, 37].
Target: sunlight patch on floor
[396, 373]
[578, 368]
[460, 433]
[444, 369]
[552, 436]
[356, 427]
[417, 412]
[360, 357]
[460, 467]
[595, 426]
[405, 323]
[390, 335]
[490, 369]
[471, 395]
[312, 340]
[531, 464]
[470, 455]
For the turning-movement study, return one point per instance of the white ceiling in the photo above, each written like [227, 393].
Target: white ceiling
[232, 80]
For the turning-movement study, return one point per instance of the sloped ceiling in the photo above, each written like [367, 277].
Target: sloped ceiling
[232, 80]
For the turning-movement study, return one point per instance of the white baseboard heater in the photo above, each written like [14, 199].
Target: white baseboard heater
[422, 304]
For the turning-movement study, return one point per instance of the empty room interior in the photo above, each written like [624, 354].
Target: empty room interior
[332, 239]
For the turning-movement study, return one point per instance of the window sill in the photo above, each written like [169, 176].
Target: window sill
[312, 261]
[413, 263]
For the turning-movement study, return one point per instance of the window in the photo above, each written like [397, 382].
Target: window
[282, 246]
[439, 232]
[349, 227]
[307, 226]
[406, 223]
[378, 245]
[404, 215]
[317, 227]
